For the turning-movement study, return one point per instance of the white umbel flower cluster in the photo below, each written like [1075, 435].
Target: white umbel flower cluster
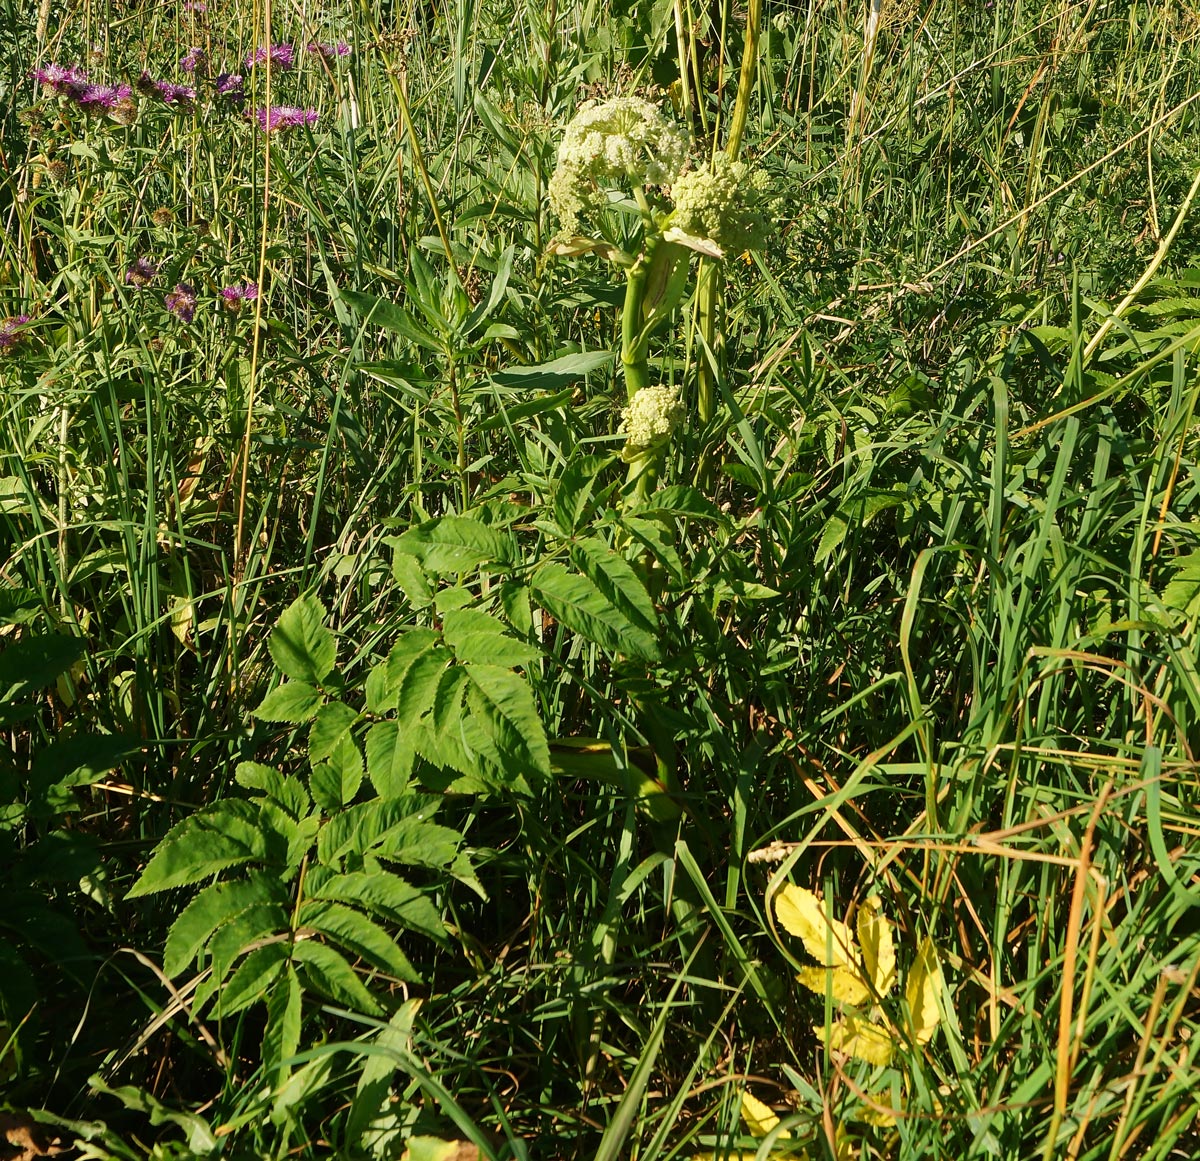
[625, 141]
[725, 202]
[653, 413]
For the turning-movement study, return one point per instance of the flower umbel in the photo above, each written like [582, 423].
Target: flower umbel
[724, 202]
[653, 413]
[625, 141]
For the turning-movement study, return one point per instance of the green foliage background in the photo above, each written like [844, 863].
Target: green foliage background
[915, 613]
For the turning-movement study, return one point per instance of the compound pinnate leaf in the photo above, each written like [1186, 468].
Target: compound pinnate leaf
[353, 931]
[330, 974]
[255, 974]
[217, 904]
[577, 601]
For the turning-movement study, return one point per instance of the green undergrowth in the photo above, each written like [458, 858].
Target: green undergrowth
[398, 762]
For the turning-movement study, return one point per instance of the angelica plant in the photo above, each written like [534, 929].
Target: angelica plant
[628, 145]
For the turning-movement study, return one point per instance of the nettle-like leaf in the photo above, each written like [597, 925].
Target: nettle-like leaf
[301, 645]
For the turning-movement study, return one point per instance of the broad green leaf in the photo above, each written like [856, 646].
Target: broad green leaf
[386, 895]
[681, 500]
[389, 759]
[330, 974]
[503, 705]
[1183, 589]
[452, 544]
[613, 575]
[293, 701]
[381, 313]
[921, 990]
[372, 1093]
[478, 637]
[34, 662]
[556, 373]
[300, 644]
[281, 1039]
[19, 607]
[215, 905]
[332, 723]
[359, 829]
[70, 761]
[354, 932]
[581, 606]
[335, 782]
[418, 689]
[574, 490]
[254, 975]
[410, 576]
[257, 924]
[384, 683]
[286, 792]
[214, 839]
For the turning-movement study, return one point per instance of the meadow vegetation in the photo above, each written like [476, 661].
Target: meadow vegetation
[690, 654]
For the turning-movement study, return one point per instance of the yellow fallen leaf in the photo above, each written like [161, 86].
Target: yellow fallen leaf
[921, 990]
[829, 941]
[857, 1037]
[759, 1118]
[843, 985]
[878, 949]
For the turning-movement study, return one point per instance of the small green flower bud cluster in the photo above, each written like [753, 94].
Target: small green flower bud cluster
[725, 202]
[625, 141]
[653, 413]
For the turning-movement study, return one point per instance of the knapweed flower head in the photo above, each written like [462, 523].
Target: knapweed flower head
[140, 273]
[193, 60]
[284, 117]
[166, 91]
[102, 98]
[282, 56]
[11, 332]
[237, 294]
[653, 413]
[724, 202]
[181, 302]
[329, 51]
[625, 141]
[66, 80]
[230, 88]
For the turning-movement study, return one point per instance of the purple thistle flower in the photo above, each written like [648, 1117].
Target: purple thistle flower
[329, 51]
[10, 332]
[65, 79]
[166, 91]
[194, 59]
[181, 302]
[239, 293]
[230, 88]
[196, 6]
[94, 98]
[140, 273]
[283, 56]
[285, 117]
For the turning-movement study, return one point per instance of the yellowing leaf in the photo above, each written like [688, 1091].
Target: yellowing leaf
[856, 1037]
[759, 1118]
[828, 941]
[922, 990]
[844, 985]
[878, 950]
